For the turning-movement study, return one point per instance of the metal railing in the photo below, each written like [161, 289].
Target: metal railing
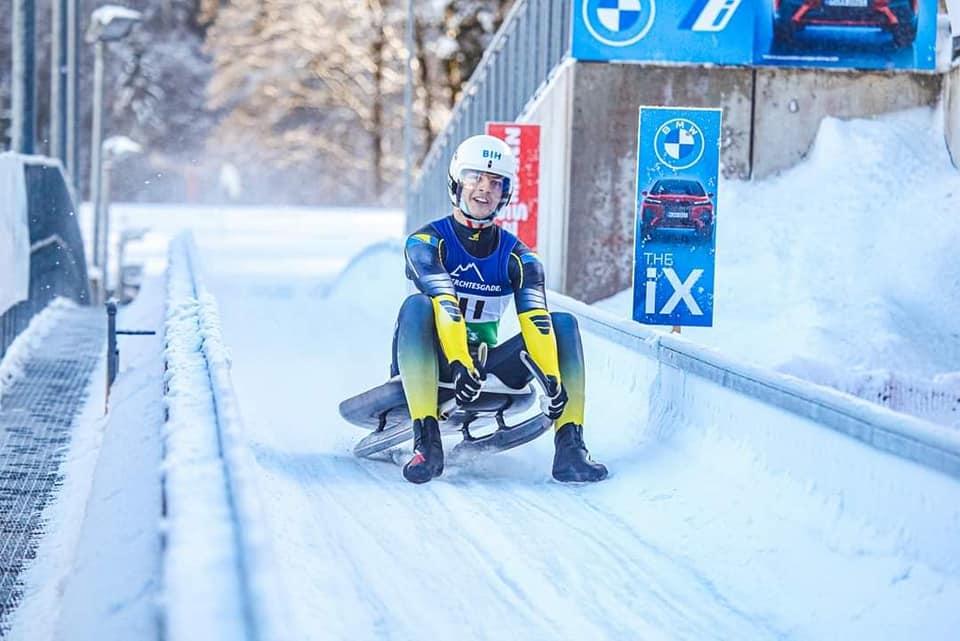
[532, 42]
[57, 264]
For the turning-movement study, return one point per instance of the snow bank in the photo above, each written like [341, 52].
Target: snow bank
[845, 264]
[366, 271]
[11, 367]
[217, 572]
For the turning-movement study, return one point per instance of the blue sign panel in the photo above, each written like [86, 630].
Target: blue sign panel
[855, 34]
[861, 34]
[716, 31]
[678, 162]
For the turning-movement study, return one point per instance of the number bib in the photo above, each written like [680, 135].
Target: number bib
[483, 284]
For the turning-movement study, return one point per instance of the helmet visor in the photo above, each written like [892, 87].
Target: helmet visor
[495, 183]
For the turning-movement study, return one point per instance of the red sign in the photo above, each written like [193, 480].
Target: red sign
[520, 215]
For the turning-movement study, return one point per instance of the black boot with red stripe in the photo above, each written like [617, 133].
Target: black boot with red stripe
[427, 461]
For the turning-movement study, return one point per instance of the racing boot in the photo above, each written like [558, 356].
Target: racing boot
[571, 460]
[427, 461]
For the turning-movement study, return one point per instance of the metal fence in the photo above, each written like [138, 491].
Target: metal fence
[532, 42]
[57, 265]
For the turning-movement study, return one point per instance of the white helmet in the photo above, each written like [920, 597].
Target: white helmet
[482, 153]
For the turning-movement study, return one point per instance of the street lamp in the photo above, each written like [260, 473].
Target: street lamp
[108, 23]
[114, 148]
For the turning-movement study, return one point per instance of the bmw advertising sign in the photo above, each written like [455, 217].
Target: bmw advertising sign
[852, 34]
[678, 163]
[716, 31]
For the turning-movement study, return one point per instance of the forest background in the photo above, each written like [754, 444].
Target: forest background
[268, 101]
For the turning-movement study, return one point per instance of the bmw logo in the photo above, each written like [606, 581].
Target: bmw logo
[619, 23]
[679, 144]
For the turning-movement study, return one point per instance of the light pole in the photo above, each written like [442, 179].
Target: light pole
[59, 14]
[113, 148]
[107, 24]
[70, 134]
[24, 88]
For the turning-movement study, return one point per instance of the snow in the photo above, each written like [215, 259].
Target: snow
[44, 580]
[11, 367]
[98, 578]
[107, 13]
[264, 600]
[114, 587]
[700, 533]
[843, 270]
[116, 146]
[201, 571]
[724, 517]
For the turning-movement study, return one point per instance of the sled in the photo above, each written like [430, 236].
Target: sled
[383, 410]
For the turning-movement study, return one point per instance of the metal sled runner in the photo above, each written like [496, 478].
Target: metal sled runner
[383, 410]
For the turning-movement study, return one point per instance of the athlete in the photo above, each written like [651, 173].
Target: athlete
[467, 269]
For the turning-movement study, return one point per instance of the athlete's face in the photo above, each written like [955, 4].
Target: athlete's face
[481, 191]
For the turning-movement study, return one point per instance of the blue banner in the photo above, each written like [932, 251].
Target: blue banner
[855, 34]
[716, 31]
[678, 163]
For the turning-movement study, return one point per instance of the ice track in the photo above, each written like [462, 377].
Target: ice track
[693, 537]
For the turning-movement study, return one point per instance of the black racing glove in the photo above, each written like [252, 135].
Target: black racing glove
[466, 383]
[554, 399]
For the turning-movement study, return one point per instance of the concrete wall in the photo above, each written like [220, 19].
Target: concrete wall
[951, 114]
[604, 157]
[790, 103]
[588, 112]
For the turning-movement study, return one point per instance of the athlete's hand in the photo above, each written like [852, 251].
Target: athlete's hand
[467, 383]
[554, 399]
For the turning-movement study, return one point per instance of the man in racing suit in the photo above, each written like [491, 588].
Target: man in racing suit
[467, 269]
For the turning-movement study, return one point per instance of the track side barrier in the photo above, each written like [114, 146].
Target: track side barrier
[907, 437]
[219, 580]
[896, 477]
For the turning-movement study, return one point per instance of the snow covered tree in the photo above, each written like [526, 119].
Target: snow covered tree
[302, 99]
[306, 87]
[307, 91]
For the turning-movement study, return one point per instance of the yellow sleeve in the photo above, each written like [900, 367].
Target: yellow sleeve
[452, 330]
[540, 341]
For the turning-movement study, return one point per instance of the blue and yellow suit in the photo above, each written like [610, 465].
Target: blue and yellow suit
[466, 279]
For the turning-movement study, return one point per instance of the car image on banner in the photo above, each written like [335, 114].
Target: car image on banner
[674, 206]
[678, 164]
[865, 34]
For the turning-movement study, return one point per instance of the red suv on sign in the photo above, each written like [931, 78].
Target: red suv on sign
[676, 203]
[898, 17]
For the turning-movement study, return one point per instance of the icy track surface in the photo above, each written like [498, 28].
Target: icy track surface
[694, 537]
